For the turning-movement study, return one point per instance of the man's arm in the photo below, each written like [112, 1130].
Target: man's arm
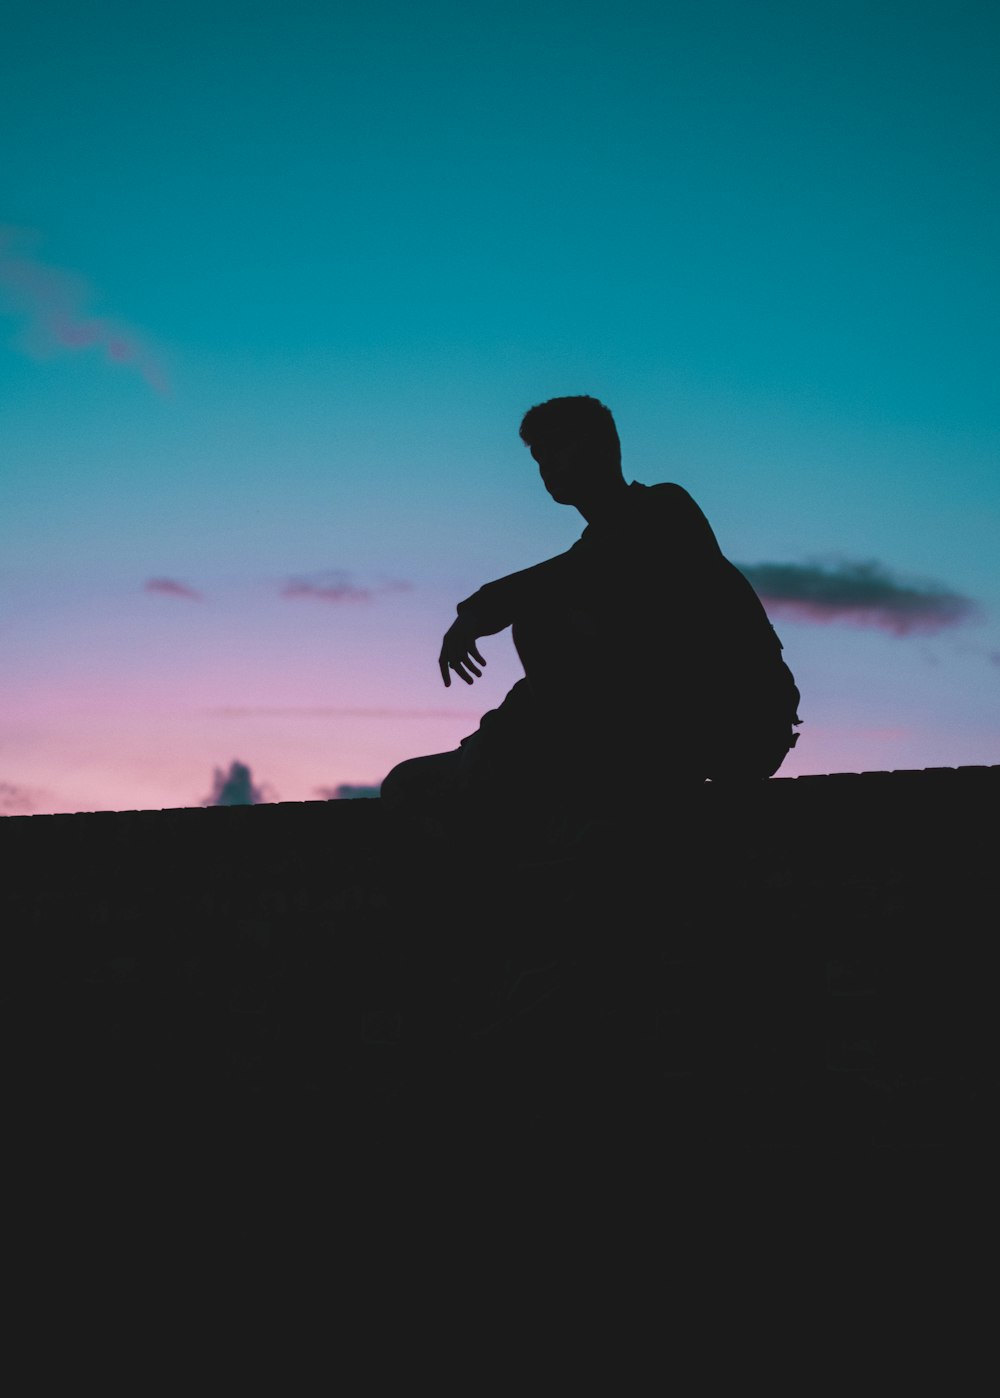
[496, 605]
[643, 569]
[662, 541]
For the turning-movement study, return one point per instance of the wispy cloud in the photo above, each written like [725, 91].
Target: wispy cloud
[336, 586]
[15, 800]
[52, 306]
[332, 711]
[170, 587]
[861, 594]
[333, 586]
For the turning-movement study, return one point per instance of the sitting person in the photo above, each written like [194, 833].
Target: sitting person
[649, 661]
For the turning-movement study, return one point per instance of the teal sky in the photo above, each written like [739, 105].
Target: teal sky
[278, 282]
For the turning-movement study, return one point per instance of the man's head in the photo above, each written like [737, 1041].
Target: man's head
[575, 442]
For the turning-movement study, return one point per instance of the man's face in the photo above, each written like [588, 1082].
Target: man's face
[564, 469]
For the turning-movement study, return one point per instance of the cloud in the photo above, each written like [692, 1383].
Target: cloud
[335, 586]
[330, 711]
[15, 800]
[169, 587]
[345, 792]
[51, 304]
[235, 788]
[861, 594]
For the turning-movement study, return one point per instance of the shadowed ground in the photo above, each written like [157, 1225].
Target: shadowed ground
[800, 966]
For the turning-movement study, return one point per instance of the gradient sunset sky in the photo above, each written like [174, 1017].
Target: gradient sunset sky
[277, 283]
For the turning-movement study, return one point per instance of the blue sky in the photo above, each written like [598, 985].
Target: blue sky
[277, 284]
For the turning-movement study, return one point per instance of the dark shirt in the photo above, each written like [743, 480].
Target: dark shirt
[643, 640]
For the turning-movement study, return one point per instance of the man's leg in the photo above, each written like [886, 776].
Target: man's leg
[420, 780]
[485, 762]
[486, 788]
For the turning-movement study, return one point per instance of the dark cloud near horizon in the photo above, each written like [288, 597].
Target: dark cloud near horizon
[346, 792]
[234, 788]
[170, 587]
[862, 594]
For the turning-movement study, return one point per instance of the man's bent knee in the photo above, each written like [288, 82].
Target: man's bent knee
[421, 778]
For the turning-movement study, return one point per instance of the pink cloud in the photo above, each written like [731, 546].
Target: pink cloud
[335, 586]
[881, 618]
[327, 587]
[170, 588]
[330, 711]
[51, 304]
[15, 800]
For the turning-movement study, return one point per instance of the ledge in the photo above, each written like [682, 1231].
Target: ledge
[799, 965]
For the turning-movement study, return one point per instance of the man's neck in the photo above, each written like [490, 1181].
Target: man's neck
[601, 504]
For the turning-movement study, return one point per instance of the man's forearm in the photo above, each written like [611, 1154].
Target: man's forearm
[498, 604]
[484, 613]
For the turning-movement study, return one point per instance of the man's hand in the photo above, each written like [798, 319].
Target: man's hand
[459, 653]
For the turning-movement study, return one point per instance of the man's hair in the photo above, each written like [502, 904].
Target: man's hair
[577, 419]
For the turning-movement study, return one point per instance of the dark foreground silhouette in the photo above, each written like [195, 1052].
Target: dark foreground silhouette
[800, 962]
[649, 661]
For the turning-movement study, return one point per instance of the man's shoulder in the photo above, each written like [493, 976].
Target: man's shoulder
[659, 490]
[672, 513]
[665, 496]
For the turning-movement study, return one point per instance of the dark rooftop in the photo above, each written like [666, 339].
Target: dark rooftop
[803, 964]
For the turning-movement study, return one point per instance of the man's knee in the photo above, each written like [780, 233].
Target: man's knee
[420, 778]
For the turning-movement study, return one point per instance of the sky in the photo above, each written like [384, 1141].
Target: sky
[277, 283]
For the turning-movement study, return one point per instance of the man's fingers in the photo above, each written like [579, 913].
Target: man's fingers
[463, 652]
[461, 667]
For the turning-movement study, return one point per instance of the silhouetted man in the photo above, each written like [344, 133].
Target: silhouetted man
[649, 661]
